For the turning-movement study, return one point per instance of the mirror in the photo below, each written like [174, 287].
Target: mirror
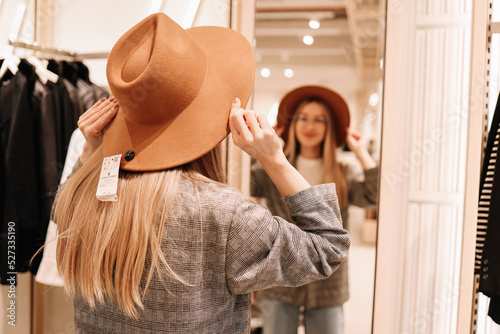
[337, 44]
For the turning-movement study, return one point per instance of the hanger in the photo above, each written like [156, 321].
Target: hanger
[10, 63]
[41, 70]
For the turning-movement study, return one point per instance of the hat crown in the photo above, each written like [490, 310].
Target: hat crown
[156, 70]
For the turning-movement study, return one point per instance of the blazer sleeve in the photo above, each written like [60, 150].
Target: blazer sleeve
[364, 193]
[264, 251]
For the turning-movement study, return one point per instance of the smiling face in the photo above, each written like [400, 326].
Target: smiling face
[310, 126]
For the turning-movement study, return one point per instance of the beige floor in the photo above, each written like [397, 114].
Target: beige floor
[358, 309]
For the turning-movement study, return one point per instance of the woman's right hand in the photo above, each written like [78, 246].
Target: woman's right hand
[253, 134]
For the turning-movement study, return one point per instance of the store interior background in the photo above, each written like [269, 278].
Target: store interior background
[415, 272]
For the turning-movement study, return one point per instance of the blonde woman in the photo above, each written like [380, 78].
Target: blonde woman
[169, 248]
[313, 121]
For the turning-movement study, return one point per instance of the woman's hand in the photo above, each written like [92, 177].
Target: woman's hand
[93, 123]
[355, 141]
[253, 134]
[356, 144]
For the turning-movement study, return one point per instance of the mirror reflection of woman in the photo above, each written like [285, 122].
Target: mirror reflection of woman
[313, 121]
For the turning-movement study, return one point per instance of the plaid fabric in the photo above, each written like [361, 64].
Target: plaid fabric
[333, 291]
[223, 247]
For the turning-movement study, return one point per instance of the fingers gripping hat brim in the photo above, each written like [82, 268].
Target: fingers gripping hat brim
[203, 122]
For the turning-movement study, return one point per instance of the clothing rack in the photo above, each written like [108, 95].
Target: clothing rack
[58, 51]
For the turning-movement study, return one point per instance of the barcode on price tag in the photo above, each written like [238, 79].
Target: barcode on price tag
[108, 181]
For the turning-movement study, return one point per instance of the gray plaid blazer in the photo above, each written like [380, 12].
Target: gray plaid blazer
[224, 246]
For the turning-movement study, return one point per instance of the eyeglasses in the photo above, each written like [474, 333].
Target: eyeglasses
[316, 121]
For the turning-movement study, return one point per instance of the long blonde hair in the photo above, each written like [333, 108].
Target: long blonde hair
[103, 246]
[332, 169]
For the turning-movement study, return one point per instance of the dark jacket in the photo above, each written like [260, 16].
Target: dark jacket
[21, 191]
[489, 270]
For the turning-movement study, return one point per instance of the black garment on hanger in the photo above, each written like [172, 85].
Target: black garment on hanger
[21, 207]
[489, 270]
[83, 71]
[48, 168]
[68, 109]
[36, 124]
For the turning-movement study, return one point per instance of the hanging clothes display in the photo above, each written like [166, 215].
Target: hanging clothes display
[487, 261]
[37, 119]
[21, 211]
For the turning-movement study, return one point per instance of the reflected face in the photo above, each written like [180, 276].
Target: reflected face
[310, 125]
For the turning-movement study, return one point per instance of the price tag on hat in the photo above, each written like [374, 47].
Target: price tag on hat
[108, 181]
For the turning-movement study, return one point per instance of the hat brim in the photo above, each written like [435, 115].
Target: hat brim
[204, 123]
[338, 106]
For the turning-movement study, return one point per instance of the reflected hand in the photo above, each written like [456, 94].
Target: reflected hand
[356, 144]
[354, 140]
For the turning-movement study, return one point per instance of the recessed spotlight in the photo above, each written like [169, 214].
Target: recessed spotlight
[374, 98]
[265, 72]
[308, 40]
[314, 24]
[288, 73]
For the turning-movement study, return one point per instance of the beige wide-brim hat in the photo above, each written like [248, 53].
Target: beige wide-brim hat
[175, 88]
[338, 106]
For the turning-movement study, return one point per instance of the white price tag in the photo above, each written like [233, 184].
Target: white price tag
[108, 181]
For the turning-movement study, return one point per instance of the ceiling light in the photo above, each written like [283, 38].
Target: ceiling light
[308, 40]
[314, 24]
[373, 101]
[265, 72]
[288, 73]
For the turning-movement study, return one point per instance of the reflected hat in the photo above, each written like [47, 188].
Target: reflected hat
[338, 107]
[175, 88]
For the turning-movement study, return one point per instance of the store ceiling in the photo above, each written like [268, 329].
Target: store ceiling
[350, 34]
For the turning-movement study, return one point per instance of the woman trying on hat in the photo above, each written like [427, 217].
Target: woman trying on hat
[178, 251]
[313, 122]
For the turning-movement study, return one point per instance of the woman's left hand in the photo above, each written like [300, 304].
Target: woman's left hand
[93, 123]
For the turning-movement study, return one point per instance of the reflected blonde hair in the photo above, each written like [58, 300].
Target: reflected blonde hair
[333, 171]
[102, 247]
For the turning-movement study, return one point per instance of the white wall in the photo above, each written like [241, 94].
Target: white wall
[95, 26]
[423, 166]
[8, 26]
